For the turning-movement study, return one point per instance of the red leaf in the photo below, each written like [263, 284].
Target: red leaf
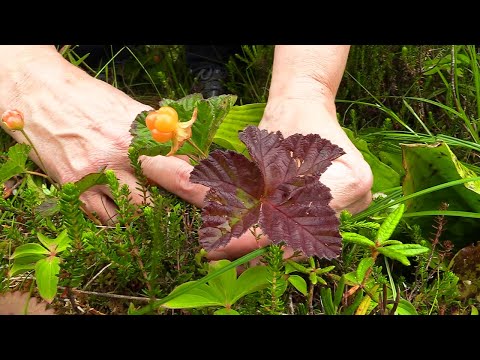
[280, 191]
[305, 221]
[273, 160]
[233, 201]
[314, 153]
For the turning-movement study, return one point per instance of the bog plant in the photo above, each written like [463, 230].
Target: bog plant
[261, 182]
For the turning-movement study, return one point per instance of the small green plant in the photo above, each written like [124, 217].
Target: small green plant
[45, 260]
[222, 291]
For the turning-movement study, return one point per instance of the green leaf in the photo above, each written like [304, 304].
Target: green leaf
[15, 165]
[47, 242]
[29, 259]
[351, 308]
[339, 292]
[198, 297]
[435, 164]
[29, 250]
[211, 113]
[223, 290]
[324, 270]
[298, 283]
[223, 284]
[395, 255]
[363, 267]
[237, 120]
[409, 249]
[292, 266]
[357, 239]
[312, 277]
[46, 275]
[389, 224]
[474, 311]
[351, 278]
[253, 279]
[20, 268]
[225, 311]
[384, 177]
[57, 245]
[391, 242]
[326, 295]
[90, 180]
[404, 308]
[63, 241]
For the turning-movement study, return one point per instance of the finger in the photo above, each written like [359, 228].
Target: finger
[137, 195]
[173, 174]
[96, 201]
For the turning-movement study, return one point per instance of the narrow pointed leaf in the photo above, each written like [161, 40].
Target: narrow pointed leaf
[324, 270]
[363, 267]
[409, 249]
[351, 278]
[391, 242]
[47, 242]
[63, 241]
[389, 224]
[339, 293]
[326, 295]
[395, 255]
[355, 238]
[364, 305]
[292, 266]
[90, 180]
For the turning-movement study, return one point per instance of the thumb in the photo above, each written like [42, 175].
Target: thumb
[173, 174]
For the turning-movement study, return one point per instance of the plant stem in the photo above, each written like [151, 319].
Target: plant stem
[39, 158]
[204, 156]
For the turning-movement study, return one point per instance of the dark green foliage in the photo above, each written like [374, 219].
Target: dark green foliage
[154, 247]
[272, 302]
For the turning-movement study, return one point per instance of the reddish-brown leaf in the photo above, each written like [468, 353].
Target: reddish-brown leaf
[280, 191]
[233, 201]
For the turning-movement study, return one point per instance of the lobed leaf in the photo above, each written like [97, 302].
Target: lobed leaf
[233, 201]
[279, 189]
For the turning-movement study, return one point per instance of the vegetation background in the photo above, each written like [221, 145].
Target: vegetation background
[390, 95]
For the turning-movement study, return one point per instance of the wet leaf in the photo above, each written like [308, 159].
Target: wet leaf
[435, 164]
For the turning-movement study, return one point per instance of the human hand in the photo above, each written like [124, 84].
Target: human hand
[80, 125]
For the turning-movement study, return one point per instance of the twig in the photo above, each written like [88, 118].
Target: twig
[97, 275]
[140, 262]
[107, 295]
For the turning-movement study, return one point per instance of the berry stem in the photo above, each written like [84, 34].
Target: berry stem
[204, 156]
[39, 158]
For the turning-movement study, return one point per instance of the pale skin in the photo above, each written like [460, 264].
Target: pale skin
[80, 124]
